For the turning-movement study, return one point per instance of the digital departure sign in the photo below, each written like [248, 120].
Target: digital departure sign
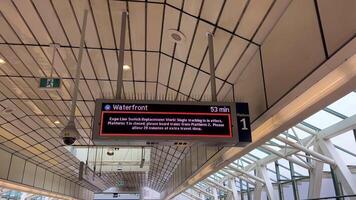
[118, 122]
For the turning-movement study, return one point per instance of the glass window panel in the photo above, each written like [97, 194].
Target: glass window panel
[288, 191]
[301, 134]
[327, 188]
[346, 141]
[344, 104]
[322, 119]
[300, 170]
[258, 153]
[303, 187]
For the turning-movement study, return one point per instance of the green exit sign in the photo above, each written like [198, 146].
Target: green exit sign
[50, 83]
[120, 183]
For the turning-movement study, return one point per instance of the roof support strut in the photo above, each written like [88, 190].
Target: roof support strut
[121, 55]
[212, 67]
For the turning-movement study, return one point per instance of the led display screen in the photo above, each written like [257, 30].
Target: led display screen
[152, 121]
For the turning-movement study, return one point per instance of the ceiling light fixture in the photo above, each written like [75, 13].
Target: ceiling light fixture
[57, 122]
[176, 36]
[126, 67]
[2, 61]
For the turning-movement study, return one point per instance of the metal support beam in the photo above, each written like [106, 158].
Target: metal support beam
[339, 128]
[119, 83]
[188, 196]
[246, 174]
[293, 160]
[232, 185]
[262, 173]
[316, 176]
[79, 68]
[212, 67]
[193, 195]
[214, 184]
[342, 171]
[198, 189]
[215, 193]
[302, 148]
[239, 176]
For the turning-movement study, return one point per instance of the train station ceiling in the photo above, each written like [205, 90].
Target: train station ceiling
[166, 58]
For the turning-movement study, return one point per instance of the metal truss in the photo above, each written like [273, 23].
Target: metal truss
[310, 153]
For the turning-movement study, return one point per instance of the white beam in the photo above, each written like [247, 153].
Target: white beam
[316, 176]
[193, 195]
[215, 192]
[246, 174]
[213, 183]
[233, 174]
[342, 171]
[262, 173]
[198, 189]
[232, 185]
[305, 149]
[339, 128]
[293, 160]
[188, 196]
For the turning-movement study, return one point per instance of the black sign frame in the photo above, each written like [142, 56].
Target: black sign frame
[146, 139]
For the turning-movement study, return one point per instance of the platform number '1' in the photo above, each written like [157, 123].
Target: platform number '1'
[243, 121]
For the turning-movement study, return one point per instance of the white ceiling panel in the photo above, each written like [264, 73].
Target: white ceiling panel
[193, 7]
[139, 65]
[255, 13]
[13, 60]
[152, 66]
[154, 19]
[10, 14]
[188, 79]
[164, 69]
[111, 63]
[68, 21]
[199, 86]
[7, 32]
[29, 14]
[96, 58]
[26, 58]
[231, 14]
[230, 57]
[137, 25]
[211, 10]
[176, 74]
[102, 20]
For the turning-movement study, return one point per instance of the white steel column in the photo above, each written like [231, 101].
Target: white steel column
[343, 173]
[316, 176]
[215, 193]
[262, 173]
[258, 190]
[232, 185]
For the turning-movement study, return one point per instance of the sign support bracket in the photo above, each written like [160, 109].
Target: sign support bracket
[119, 83]
[212, 67]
